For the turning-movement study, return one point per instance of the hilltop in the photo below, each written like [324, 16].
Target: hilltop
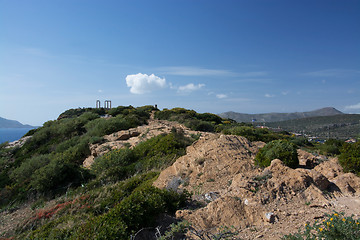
[131, 172]
[276, 117]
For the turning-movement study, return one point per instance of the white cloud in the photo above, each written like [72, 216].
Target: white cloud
[190, 88]
[220, 96]
[143, 83]
[269, 95]
[353, 107]
[285, 93]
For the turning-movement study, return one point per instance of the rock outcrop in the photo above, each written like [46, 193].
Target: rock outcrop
[229, 190]
[220, 173]
[132, 137]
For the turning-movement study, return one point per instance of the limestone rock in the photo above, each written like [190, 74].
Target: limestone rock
[330, 169]
[320, 180]
[348, 183]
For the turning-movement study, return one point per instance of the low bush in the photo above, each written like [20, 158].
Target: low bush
[101, 126]
[206, 122]
[301, 142]
[331, 147]
[254, 134]
[277, 149]
[105, 198]
[140, 209]
[161, 151]
[334, 227]
[155, 153]
[58, 175]
[113, 165]
[28, 167]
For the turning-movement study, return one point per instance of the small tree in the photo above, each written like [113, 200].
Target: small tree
[349, 158]
[277, 149]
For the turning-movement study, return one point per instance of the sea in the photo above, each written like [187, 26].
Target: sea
[12, 134]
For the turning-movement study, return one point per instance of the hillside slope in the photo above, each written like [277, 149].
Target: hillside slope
[341, 126]
[275, 117]
[120, 192]
[219, 170]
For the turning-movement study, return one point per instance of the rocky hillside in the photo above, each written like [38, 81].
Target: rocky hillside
[134, 136]
[227, 189]
[276, 117]
[262, 203]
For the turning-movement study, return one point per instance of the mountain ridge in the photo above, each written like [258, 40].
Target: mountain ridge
[275, 117]
[6, 123]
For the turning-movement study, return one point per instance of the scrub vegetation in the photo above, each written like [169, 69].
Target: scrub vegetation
[115, 198]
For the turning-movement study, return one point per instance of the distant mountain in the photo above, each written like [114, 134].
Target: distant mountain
[276, 117]
[341, 126]
[6, 123]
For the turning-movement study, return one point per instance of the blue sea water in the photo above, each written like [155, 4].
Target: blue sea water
[12, 134]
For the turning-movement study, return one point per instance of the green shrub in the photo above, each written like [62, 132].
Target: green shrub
[206, 122]
[100, 127]
[280, 149]
[253, 134]
[334, 227]
[107, 199]
[301, 142]
[138, 210]
[161, 151]
[113, 165]
[349, 158]
[28, 167]
[203, 126]
[58, 175]
[6, 164]
[31, 132]
[331, 147]
[209, 117]
[119, 110]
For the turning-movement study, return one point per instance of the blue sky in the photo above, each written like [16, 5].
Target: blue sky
[249, 56]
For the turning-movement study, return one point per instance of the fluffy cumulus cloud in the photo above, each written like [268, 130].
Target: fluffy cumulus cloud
[190, 88]
[143, 83]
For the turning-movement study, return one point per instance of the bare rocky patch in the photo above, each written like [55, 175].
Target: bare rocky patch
[261, 203]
